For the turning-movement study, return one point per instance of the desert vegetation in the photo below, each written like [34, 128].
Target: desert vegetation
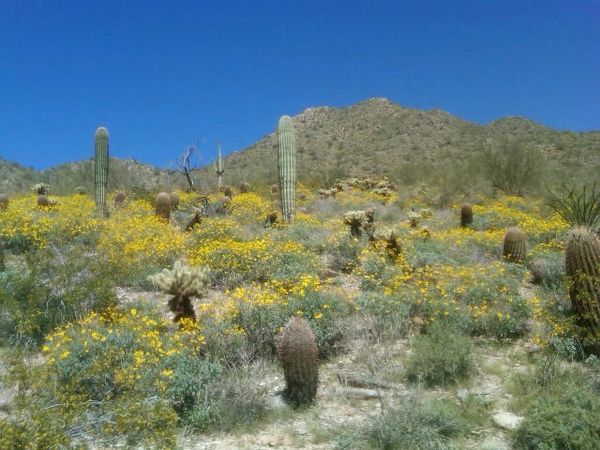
[350, 315]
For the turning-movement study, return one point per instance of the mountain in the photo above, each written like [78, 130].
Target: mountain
[65, 177]
[378, 136]
[373, 137]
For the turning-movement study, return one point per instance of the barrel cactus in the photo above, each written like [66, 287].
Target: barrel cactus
[466, 215]
[287, 168]
[4, 201]
[183, 283]
[101, 168]
[162, 206]
[515, 245]
[582, 263]
[299, 356]
[174, 201]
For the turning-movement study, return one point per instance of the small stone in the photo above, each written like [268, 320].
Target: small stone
[360, 393]
[463, 395]
[507, 420]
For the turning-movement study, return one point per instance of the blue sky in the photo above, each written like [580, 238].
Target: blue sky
[162, 74]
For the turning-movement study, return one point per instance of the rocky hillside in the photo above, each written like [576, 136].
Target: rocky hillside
[378, 136]
[373, 137]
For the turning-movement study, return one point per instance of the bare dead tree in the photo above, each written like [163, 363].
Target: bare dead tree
[184, 165]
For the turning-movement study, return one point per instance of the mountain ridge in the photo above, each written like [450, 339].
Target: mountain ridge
[373, 137]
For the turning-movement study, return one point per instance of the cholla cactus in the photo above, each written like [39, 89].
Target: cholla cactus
[4, 200]
[244, 188]
[391, 239]
[120, 198]
[183, 282]
[360, 221]
[40, 189]
[413, 218]
[80, 190]
[42, 201]
[327, 193]
[299, 356]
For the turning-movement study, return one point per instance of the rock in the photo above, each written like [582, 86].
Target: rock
[507, 420]
[494, 443]
[359, 381]
[362, 394]
[463, 395]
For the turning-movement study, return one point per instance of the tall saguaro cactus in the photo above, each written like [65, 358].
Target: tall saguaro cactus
[101, 168]
[219, 167]
[287, 168]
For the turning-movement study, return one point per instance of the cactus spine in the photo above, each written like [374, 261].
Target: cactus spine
[466, 215]
[515, 245]
[219, 168]
[101, 168]
[582, 261]
[287, 168]
[297, 350]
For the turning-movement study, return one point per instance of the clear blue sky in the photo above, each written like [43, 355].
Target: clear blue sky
[160, 74]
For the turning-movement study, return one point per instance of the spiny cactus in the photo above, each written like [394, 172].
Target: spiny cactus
[466, 215]
[287, 168]
[299, 356]
[183, 283]
[271, 219]
[174, 201]
[101, 168]
[360, 221]
[4, 201]
[40, 189]
[162, 206]
[227, 192]
[515, 245]
[42, 201]
[244, 188]
[79, 190]
[391, 240]
[414, 218]
[219, 170]
[274, 189]
[582, 263]
[120, 198]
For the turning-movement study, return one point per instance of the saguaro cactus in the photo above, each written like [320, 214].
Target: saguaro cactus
[299, 355]
[287, 168]
[582, 263]
[515, 245]
[219, 170]
[101, 168]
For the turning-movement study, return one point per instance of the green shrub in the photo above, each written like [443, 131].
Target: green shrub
[440, 357]
[389, 315]
[51, 292]
[412, 426]
[567, 418]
